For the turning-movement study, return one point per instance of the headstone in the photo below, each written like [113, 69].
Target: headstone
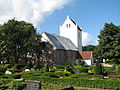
[8, 72]
[27, 70]
[33, 85]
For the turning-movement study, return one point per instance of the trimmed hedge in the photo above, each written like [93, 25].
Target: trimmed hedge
[12, 76]
[97, 83]
[11, 84]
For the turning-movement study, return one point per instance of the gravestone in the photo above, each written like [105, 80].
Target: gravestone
[33, 85]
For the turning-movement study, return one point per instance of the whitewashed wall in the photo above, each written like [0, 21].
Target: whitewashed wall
[88, 62]
[72, 33]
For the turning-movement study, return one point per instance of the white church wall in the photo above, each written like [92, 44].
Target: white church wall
[70, 30]
[69, 33]
[79, 38]
[87, 62]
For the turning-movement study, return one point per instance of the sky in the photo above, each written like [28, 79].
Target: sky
[48, 15]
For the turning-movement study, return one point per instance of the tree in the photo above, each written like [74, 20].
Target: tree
[16, 39]
[109, 43]
[98, 69]
[88, 48]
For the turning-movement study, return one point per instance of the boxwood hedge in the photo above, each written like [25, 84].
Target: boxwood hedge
[93, 83]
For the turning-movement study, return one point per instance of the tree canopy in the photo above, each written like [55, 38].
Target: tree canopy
[88, 48]
[109, 43]
[16, 38]
[19, 43]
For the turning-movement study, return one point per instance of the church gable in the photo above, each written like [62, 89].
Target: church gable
[68, 23]
[71, 30]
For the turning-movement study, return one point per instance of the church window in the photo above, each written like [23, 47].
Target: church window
[67, 25]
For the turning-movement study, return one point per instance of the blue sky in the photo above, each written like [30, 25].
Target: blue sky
[47, 15]
[91, 15]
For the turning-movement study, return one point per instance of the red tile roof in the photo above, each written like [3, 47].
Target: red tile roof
[86, 55]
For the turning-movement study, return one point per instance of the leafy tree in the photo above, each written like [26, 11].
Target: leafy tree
[42, 52]
[88, 48]
[16, 38]
[109, 43]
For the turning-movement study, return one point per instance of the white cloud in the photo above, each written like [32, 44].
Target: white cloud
[29, 10]
[86, 39]
[97, 41]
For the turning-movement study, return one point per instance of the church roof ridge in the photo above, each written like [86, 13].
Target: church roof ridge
[79, 28]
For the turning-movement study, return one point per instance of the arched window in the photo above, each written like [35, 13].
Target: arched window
[67, 25]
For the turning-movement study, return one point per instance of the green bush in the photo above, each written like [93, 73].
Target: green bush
[17, 85]
[28, 66]
[2, 69]
[62, 73]
[70, 69]
[93, 83]
[37, 66]
[3, 83]
[50, 74]
[98, 69]
[17, 76]
[17, 66]
[117, 69]
[80, 62]
[46, 68]
[61, 66]
[12, 76]
[83, 73]
[3, 87]
[83, 70]
[7, 66]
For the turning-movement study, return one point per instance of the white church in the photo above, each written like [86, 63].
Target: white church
[68, 45]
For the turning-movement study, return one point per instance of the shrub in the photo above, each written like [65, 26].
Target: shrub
[49, 74]
[17, 85]
[80, 62]
[83, 70]
[1, 73]
[12, 76]
[17, 76]
[61, 66]
[17, 66]
[7, 66]
[37, 66]
[98, 69]
[29, 65]
[2, 69]
[70, 69]
[93, 83]
[83, 73]
[3, 87]
[117, 69]
[3, 83]
[46, 68]
[62, 73]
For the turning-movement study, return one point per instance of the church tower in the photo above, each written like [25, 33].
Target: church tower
[71, 30]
